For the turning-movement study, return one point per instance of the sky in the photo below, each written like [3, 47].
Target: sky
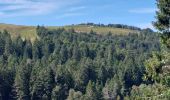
[66, 12]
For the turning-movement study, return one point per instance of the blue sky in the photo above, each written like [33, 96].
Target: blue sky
[65, 12]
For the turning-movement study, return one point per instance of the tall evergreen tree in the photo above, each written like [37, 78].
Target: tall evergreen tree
[22, 82]
[157, 67]
[28, 49]
[163, 20]
[159, 61]
[43, 85]
[91, 91]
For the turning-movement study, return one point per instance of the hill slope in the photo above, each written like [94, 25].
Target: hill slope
[29, 32]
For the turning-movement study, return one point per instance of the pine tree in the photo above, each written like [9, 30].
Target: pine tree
[159, 61]
[41, 31]
[156, 66]
[28, 49]
[8, 45]
[37, 49]
[73, 95]
[56, 93]
[18, 46]
[22, 82]
[91, 91]
[2, 43]
[102, 74]
[43, 85]
[163, 20]
[6, 81]
[112, 89]
[63, 54]
[76, 53]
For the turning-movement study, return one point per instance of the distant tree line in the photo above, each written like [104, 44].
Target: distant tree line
[113, 26]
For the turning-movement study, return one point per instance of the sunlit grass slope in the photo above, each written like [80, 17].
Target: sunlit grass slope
[101, 30]
[29, 32]
[26, 32]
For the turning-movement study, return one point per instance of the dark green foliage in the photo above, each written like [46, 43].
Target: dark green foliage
[37, 50]
[73, 95]
[157, 67]
[91, 91]
[156, 92]
[22, 80]
[43, 85]
[163, 20]
[28, 49]
[113, 89]
[64, 64]
[6, 82]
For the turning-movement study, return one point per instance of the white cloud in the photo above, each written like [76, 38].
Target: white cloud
[71, 12]
[76, 8]
[12, 1]
[66, 15]
[145, 25]
[143, 10]
[13, 8]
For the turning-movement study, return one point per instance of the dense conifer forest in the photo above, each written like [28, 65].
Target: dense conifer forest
[64, 64]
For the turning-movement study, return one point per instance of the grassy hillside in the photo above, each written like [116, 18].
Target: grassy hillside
[26, 32]
[29, 32]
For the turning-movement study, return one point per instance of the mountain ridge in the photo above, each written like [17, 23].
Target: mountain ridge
[29, 32]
